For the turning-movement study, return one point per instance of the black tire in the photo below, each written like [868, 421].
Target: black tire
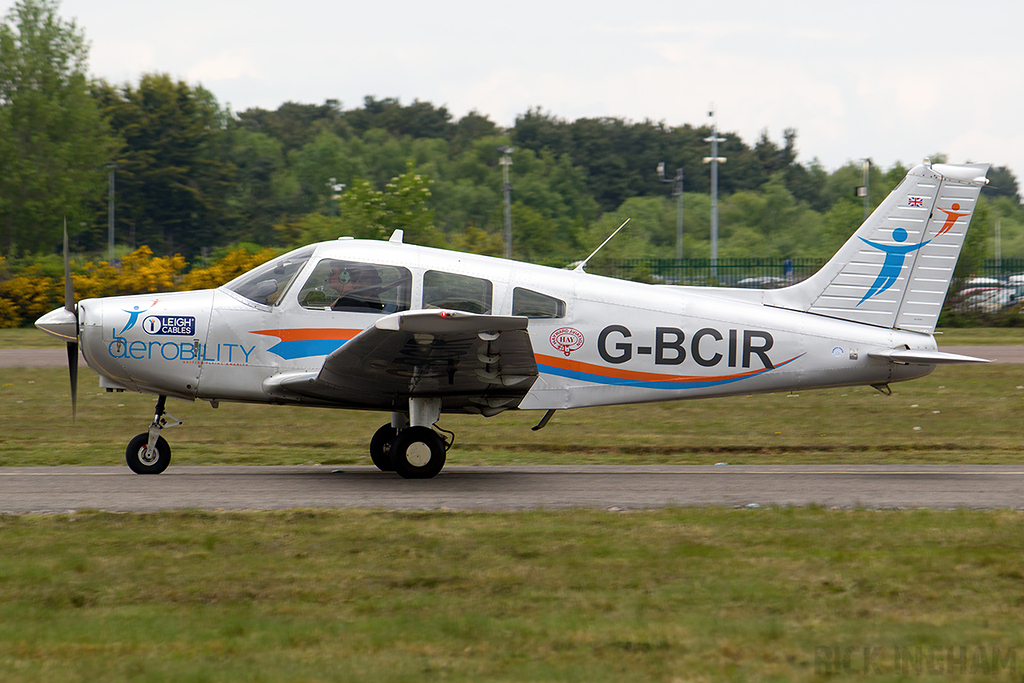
[380, 447]
[418, 453]
[135, 455]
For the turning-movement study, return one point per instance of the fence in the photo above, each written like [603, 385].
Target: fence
[762, 273]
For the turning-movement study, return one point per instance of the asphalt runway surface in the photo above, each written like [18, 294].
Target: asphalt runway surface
[117, 489]
[612, 487]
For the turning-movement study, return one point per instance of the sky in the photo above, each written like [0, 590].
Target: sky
[893, 81]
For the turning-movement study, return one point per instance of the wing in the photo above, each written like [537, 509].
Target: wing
[475, 363]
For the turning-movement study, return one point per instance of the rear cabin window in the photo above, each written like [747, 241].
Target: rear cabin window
[533, 304]
[457, 292]
[359, 287]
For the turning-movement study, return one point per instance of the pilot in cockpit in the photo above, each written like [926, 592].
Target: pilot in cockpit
[358, 287]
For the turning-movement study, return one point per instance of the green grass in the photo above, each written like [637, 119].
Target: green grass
[981, 336]
[687, 595]
[959, 414]
[27, 338]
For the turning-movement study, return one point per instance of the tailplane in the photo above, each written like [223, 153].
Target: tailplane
[895, 270]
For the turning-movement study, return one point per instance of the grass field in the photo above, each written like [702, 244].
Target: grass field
[775, 594]
[673, 595]
[971, 414]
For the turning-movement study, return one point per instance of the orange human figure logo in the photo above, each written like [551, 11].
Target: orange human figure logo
[951, 217]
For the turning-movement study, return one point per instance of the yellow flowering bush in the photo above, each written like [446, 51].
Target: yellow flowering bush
[31, 293]
[25, 297]
[228, 268]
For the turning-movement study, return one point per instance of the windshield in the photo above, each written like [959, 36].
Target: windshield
[267, 283]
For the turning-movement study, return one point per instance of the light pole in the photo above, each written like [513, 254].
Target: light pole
[714, 160]
[336, 189]
[110, 211]
[867, 187]
[677, 192]
[506, 188]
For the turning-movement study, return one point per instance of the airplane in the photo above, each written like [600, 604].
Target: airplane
[420, 332]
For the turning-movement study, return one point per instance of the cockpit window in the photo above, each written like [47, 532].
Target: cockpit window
[354, 286]
[267, 283]
[457, 292]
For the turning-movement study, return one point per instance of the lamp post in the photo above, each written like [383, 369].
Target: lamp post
[677, 192]
[714, 160]
[110, 211]
[867, 187]
[335, 189]
[506, 188]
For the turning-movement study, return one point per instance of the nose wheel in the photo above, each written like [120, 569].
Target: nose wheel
[148, 452]
[144, 460]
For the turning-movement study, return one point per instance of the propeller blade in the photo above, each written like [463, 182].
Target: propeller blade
[73, 372]
[69, 305]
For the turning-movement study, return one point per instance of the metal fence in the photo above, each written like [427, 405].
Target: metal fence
[759, 273]
[755, 273]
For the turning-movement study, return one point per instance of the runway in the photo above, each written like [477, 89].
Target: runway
[116, 489]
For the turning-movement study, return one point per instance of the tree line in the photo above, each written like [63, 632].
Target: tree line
[193, 177]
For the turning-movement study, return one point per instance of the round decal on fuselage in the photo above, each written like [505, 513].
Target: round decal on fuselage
[567, 339]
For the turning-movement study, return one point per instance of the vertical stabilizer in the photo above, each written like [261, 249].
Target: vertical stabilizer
[895, 270]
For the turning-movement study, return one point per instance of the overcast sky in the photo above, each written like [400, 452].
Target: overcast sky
[892, 80]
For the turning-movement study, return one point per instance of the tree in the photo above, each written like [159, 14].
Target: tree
[368, 213]
[53, 139]
[1002, 183]
[173, 178]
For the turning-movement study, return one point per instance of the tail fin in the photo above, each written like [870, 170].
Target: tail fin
[895, 270]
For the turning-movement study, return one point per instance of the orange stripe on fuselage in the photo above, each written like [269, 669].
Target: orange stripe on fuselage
[620, 373]
[309, 334]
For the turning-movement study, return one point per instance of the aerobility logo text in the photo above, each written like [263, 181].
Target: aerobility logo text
[192, 351]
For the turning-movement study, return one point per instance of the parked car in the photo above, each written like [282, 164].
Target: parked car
[986, 299]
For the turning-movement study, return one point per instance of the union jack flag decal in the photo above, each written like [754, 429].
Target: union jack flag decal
[915, 202]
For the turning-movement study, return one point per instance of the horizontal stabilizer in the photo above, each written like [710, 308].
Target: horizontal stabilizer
[924, 357]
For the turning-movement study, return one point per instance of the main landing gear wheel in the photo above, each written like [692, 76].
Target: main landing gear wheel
[380, 447]
[418, 453]
[142, 462]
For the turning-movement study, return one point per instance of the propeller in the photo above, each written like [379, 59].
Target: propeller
[69, 306]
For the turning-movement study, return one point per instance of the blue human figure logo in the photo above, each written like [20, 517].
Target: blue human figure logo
[895, 255]
[133, 315]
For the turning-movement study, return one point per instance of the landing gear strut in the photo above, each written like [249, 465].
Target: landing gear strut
[148, 452]
[408, 445]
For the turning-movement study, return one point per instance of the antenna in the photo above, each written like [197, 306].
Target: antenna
[584, 261]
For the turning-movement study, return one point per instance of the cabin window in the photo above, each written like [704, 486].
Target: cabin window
[536, 305]
[265, 284]
[339, 285]
[457, 292]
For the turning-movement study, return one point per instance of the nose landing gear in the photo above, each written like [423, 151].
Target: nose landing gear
[148, 452]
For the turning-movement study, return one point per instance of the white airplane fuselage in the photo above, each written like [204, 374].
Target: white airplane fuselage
[615, 342]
